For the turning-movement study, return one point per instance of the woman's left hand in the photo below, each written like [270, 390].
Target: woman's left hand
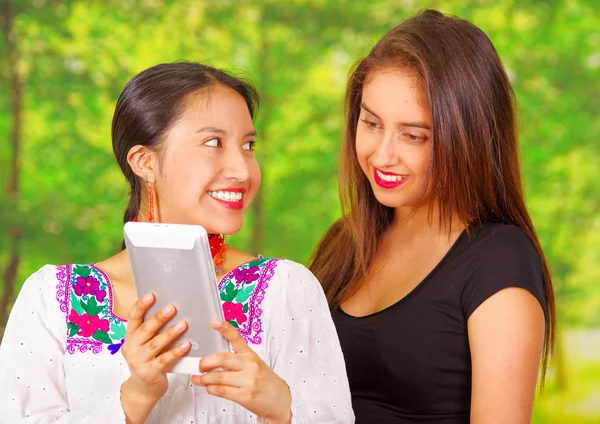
[245, 379]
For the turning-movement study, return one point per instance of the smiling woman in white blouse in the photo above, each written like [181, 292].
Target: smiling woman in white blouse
[76, 348]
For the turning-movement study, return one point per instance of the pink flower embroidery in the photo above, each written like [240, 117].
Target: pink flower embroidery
[234, 311]
[90, 286]
[248, 275]
[88, 324]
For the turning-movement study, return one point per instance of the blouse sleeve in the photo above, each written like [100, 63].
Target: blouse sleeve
[304, 348]
[508, 259]
[32, 352]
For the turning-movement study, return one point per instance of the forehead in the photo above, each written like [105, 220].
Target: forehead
[394, 92]
[216, 105]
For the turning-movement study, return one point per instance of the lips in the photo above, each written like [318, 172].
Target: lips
[231, 198]
[388, 180]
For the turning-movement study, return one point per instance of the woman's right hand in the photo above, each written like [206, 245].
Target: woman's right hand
[142, 350]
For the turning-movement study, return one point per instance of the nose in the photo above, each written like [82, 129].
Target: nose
[236, 166]
[385, 155]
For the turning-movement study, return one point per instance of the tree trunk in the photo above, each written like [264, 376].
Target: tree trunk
[12, 188]
[257, 240]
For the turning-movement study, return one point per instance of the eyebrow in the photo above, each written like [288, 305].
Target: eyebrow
[222, 131]
[404, 124]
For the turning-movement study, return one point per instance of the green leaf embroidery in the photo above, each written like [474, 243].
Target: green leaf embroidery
[83, 272]
[235, 324]
[91, 307]
[75, 305]
[102, 336]
[118, 331]
[244, 294]
[73, 329]
[257, 262]
[230, 292]
[245, 308]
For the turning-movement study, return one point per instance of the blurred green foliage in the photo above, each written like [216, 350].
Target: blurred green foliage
[73, 57]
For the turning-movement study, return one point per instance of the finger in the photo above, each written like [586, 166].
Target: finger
[157, 343]
[150, 326]
[227, 360]
[220, 378]
[136, 313]
[163, 363]
[234, 394]
[231, 334]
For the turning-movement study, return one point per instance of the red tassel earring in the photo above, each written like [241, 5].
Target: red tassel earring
[150, 200]
[150, 203]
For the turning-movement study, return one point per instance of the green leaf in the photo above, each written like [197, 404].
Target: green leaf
[257, 262]
[230, 292]
[83, 272]
[91, 307]
[75, 304]
[73, 329]
[235, 324]
[245, 308]
[102, 336]
[118, 331]
[244, 294]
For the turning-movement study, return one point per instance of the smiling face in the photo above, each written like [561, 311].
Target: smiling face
[206, 172]
[393, 138]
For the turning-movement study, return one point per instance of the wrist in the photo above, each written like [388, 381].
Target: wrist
[285, 416]
[284, 419]
[136, 404]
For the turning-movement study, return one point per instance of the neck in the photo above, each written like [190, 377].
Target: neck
[411, 222]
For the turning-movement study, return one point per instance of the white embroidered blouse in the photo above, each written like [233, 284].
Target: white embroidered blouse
[60, 358]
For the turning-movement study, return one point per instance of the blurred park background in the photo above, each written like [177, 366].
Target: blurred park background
[63, 64]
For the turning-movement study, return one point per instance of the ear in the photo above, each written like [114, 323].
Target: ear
[142, 161]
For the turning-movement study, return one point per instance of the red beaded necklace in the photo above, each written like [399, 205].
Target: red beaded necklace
[217, 249]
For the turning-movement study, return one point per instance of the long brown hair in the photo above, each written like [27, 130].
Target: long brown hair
[474, 132]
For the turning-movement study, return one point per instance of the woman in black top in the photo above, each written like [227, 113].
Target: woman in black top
[440, 292]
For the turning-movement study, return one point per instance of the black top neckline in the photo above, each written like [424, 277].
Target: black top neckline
[346, 316]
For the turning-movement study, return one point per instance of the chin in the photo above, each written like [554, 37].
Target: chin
[393, 201]
[225, 228]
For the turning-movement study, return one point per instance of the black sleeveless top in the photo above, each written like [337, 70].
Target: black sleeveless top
[411, 362]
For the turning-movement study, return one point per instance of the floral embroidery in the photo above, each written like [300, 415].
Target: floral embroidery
[235, 311]
[91, 325]
[89, 285]
[248, 275]
[242, 291]
[85, 296]
[86, 325]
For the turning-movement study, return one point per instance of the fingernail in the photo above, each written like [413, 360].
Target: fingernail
[147, 298]
[167, 310]
[180, 326]
[184, 346]
[216, 322]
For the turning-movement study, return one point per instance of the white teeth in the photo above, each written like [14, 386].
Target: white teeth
[390, 178]
[228, 196]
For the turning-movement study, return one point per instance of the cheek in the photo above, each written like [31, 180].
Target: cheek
[255, 175]
[423, 161]
[364, 148]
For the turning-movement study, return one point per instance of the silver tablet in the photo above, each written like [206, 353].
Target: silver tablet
[173, 261]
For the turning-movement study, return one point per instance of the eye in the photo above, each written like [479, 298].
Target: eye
[213, 142]
[415, 138]
[370, 124]
[249, 146]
